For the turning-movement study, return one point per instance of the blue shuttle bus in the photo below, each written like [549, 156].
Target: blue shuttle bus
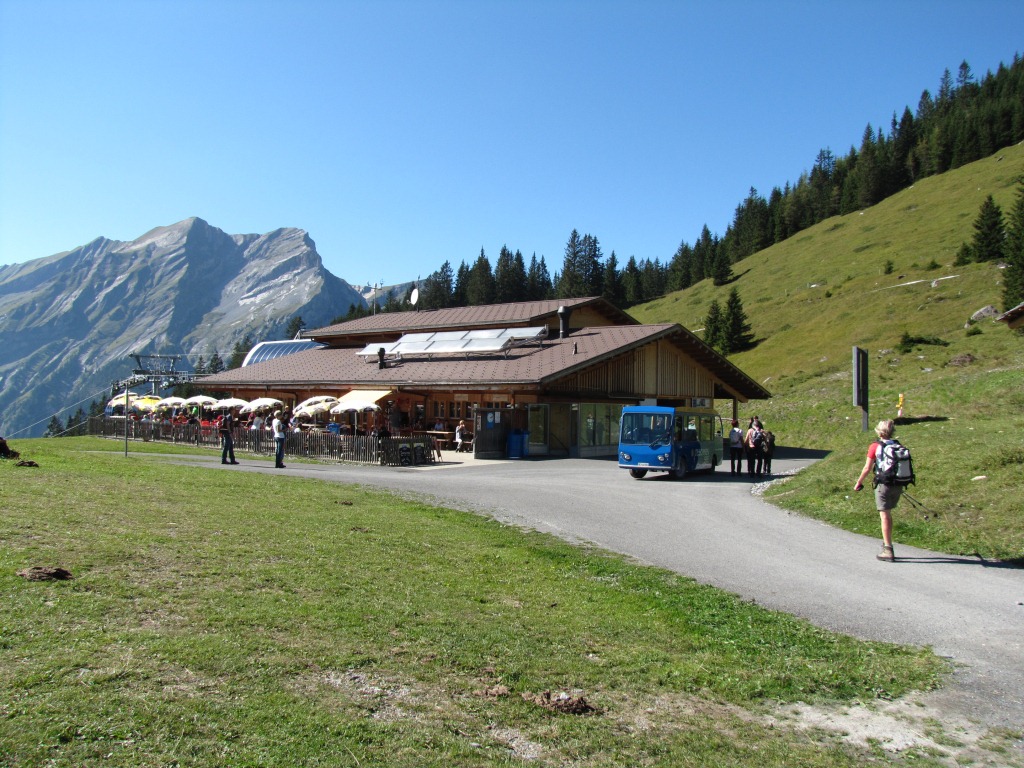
[658, 438]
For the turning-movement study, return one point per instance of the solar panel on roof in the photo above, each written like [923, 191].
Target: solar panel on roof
[458, 342]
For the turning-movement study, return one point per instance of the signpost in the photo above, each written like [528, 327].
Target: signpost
[860, 384]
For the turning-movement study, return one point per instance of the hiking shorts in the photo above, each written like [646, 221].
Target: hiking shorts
[887, 496]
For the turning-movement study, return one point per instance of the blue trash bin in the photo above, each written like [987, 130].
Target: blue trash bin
[515, 444]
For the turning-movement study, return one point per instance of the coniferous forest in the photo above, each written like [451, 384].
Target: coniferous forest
[965, 120]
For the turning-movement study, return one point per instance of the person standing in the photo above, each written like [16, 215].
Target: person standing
[279, 428]
[767, 449]
[887, 495]
[227, 442]
[752, 443]
[735, 448]
[256, 427]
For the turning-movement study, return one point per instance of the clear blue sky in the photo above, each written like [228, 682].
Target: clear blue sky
[404, 134]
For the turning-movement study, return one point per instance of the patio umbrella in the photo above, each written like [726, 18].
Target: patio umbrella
[203, 400]
[229, 402]
[262, 402]
[145, 403]
[117, 400]
[171, 402]
[315, 400]
[313, 409]
[355, 405]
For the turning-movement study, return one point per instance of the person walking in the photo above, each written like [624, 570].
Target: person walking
[887, 495]
[279, 428]
[227, 441]
[735, 449]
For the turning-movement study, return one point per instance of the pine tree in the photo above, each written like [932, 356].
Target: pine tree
[438, 289]
[714, 328]
[55, 428]
[509, 277]
[239, 351]
[611, 288]
[216, 364]
[480, 285]
[294, 327]
[572, 281]
[722, 270]
[1013, 276]
[538, 280]
[738, 333]
[989, 232]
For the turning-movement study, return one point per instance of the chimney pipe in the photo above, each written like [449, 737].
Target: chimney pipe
[380, 358]
[563, 322]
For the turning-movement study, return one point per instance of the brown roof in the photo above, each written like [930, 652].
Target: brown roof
[522, 313]
[527, 365]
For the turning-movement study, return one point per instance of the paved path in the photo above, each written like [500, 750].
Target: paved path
[715, 530]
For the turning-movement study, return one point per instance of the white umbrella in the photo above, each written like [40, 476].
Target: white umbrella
[171, 402]
[229, 402]
[262, 402]
[355, 405]
[315, 400]
[313, 409]
[204, 400]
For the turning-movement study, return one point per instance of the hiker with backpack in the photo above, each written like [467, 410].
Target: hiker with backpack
[893, 470]
[752, 442]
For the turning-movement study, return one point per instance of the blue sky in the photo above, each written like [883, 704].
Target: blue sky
[404, 134]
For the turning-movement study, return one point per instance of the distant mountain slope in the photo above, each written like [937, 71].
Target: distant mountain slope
[69, 321]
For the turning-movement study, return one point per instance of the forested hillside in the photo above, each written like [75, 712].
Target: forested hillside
[965, 120]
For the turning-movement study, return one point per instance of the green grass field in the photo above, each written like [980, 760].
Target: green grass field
[220, 618]
[814, 297]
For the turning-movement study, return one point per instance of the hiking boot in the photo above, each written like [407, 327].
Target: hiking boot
[886, 554]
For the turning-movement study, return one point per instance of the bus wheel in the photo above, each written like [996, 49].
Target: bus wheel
[637, 474]
[679, 473]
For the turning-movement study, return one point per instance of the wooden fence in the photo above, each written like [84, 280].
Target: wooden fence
[315, 444]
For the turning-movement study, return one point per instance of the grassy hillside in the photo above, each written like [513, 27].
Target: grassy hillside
[815, 296]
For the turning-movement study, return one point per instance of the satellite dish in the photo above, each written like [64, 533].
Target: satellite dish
[415, 296]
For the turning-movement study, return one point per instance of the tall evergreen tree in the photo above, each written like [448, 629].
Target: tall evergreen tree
[1013, 275]
[55, 428]
[239, 351]
[632, 287]
[509, 277]
[480, 286]
[573, 279]
[438, 288]
[216, 364]
[715, 329]
[593, 272]
[722, 271]
[738, 333]
[680, 274]
[611, 285]
[294, 327]
[989, 232]
[538, 280]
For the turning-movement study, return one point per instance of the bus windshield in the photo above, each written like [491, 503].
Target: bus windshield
[646, 428]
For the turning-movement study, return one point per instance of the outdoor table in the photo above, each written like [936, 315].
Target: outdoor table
[444, 439]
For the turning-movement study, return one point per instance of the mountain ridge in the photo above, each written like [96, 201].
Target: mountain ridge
[71, 319]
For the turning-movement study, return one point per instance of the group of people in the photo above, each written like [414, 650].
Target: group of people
[756, 444]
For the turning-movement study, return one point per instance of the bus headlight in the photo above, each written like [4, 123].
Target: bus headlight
[626, 457]
[662, 457]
